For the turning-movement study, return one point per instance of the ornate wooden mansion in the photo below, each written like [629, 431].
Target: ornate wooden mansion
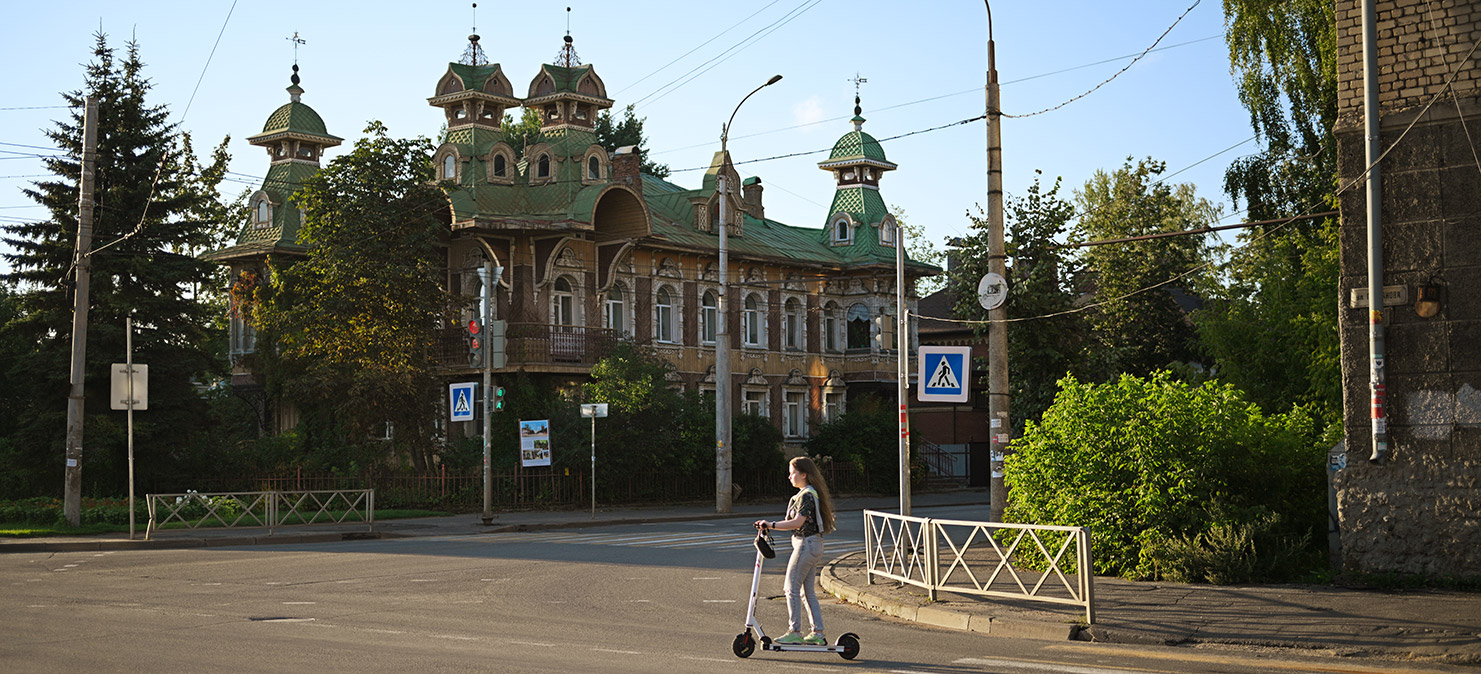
[595, 251]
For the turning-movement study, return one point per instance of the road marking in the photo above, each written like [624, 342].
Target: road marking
[691, 657]
[423, 580]
[706, 578]
[1263, 663]
[299, 603]
[281, 620]
[609, 650]
[532, 643]
[719, 601]
[1059, 667]
[641, 601]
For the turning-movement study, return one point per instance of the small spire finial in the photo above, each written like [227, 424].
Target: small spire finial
[474, 55]
[858, 119]
[567, 58]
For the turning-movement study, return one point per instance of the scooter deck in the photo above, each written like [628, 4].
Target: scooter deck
[818, 648]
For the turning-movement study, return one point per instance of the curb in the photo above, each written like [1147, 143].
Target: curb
[185, 543]
[940, 617]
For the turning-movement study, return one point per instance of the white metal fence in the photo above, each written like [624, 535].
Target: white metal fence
[1040, 563]
[269, 509]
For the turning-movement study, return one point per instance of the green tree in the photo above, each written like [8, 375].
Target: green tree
[1139, 326]
[353, 322]
[650, 426]
[918, 247]
[612, 134]
[866, 437]
[1149, 462]
[156, 207]
[519, 133]
[1047, 339]
[1271, 326]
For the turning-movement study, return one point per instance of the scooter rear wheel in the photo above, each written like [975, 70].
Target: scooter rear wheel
[744, 645]
[850, 643]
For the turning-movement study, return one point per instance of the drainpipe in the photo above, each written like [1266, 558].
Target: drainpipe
[1371, 120]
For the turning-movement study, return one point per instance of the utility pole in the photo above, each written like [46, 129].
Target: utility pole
[82, 264]
[902, 374]
[997, 330]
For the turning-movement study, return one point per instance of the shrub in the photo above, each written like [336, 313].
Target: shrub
[1172, 479]
[867, 437]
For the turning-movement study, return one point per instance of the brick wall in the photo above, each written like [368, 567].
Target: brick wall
[1419, 513]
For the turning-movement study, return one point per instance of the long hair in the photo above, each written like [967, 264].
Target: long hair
[806, 466]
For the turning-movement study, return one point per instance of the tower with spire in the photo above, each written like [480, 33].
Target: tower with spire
[859, 224]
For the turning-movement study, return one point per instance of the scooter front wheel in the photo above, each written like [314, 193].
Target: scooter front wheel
[850, 643]
[744, 645]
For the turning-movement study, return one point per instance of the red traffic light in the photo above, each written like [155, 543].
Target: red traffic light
[473, 327]
[475, 343]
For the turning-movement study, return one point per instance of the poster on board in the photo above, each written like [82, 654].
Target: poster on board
[534, 443]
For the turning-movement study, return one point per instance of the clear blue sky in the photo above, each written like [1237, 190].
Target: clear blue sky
[925, 63]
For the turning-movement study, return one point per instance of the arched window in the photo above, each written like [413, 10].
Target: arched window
[501, 165]
[830, 327]
[543, 169]
[616, 310]
[791, 325]
[449, 167]
[663, 325]
[562, 304]
[707, 317]
[263, 212]
[840, 230]
[887, 233]
[751, 321]
[858, 327]
[593, 168]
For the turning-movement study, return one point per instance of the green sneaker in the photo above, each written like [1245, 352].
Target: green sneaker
[815, 639]
[790, 638]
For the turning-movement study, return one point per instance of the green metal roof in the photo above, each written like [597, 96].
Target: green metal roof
[857, 145]
[296, 117]
[473, 77]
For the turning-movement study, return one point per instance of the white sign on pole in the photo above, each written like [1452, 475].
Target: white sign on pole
[594, 411]
[118, 391]
[460, 400]
[945, 372]
[992, 290]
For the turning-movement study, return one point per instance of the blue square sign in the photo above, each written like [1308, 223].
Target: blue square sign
[460, 400]
[944, 374]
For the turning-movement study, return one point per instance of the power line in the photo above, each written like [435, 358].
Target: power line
[691, 51]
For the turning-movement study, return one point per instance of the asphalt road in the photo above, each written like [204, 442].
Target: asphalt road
[641, 598]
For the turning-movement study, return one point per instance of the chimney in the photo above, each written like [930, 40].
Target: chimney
[626, 167]
[751, 198]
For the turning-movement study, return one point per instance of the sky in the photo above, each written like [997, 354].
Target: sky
[221, 66]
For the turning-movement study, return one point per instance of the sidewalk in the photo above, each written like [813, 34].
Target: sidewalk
[1430, 625]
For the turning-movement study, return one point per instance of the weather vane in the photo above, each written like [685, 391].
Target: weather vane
[296, 40]
[568, 58]
[474, 55]
[857, 81]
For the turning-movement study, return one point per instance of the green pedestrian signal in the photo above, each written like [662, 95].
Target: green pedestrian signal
[498, 398]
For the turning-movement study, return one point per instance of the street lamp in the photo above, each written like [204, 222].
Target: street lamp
[999, 427]
[722, 333]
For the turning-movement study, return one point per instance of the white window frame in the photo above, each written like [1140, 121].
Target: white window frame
[887, 233]
[794, 413]
[615, 316]
[563, 303]
[831, 314]
[792, 333]
[835, 403]
[709, 317]
[842, 225]
[663, 315]
[752, 332]
[756, 401]
[450, 167]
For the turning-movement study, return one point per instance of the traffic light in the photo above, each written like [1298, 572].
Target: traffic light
[498, 398]
[475, 343]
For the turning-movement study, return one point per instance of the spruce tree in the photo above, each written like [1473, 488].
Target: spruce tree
[156, 209]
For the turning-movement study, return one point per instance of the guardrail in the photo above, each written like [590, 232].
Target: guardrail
[270, 509]
[1042, 563]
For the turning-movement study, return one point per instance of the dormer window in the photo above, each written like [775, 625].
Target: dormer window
[460, 113]
[841, 233]
[449, 167]
[542, 169]
[264, 213]
[593, 168]
[887, 233]
[501, 166]
[305, 152]
[581, 112]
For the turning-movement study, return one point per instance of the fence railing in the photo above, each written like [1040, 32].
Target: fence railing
[546, 487]
[270, 509]
[1041, 563]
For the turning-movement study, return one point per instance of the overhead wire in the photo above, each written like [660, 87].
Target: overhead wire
[701, 45]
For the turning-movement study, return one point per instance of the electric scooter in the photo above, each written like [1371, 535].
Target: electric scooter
[744, 645]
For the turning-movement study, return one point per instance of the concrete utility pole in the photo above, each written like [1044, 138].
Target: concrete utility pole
[997, 331]
[72, 490]
[723, 475]
[902, 374]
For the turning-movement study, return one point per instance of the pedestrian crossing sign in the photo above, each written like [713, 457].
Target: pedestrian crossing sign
[460, 400]
[945, 372]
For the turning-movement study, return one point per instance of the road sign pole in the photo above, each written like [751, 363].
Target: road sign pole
[128, 371]
[902, 373]
[593, 466]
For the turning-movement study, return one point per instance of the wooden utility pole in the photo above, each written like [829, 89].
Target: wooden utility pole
[82, 263]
